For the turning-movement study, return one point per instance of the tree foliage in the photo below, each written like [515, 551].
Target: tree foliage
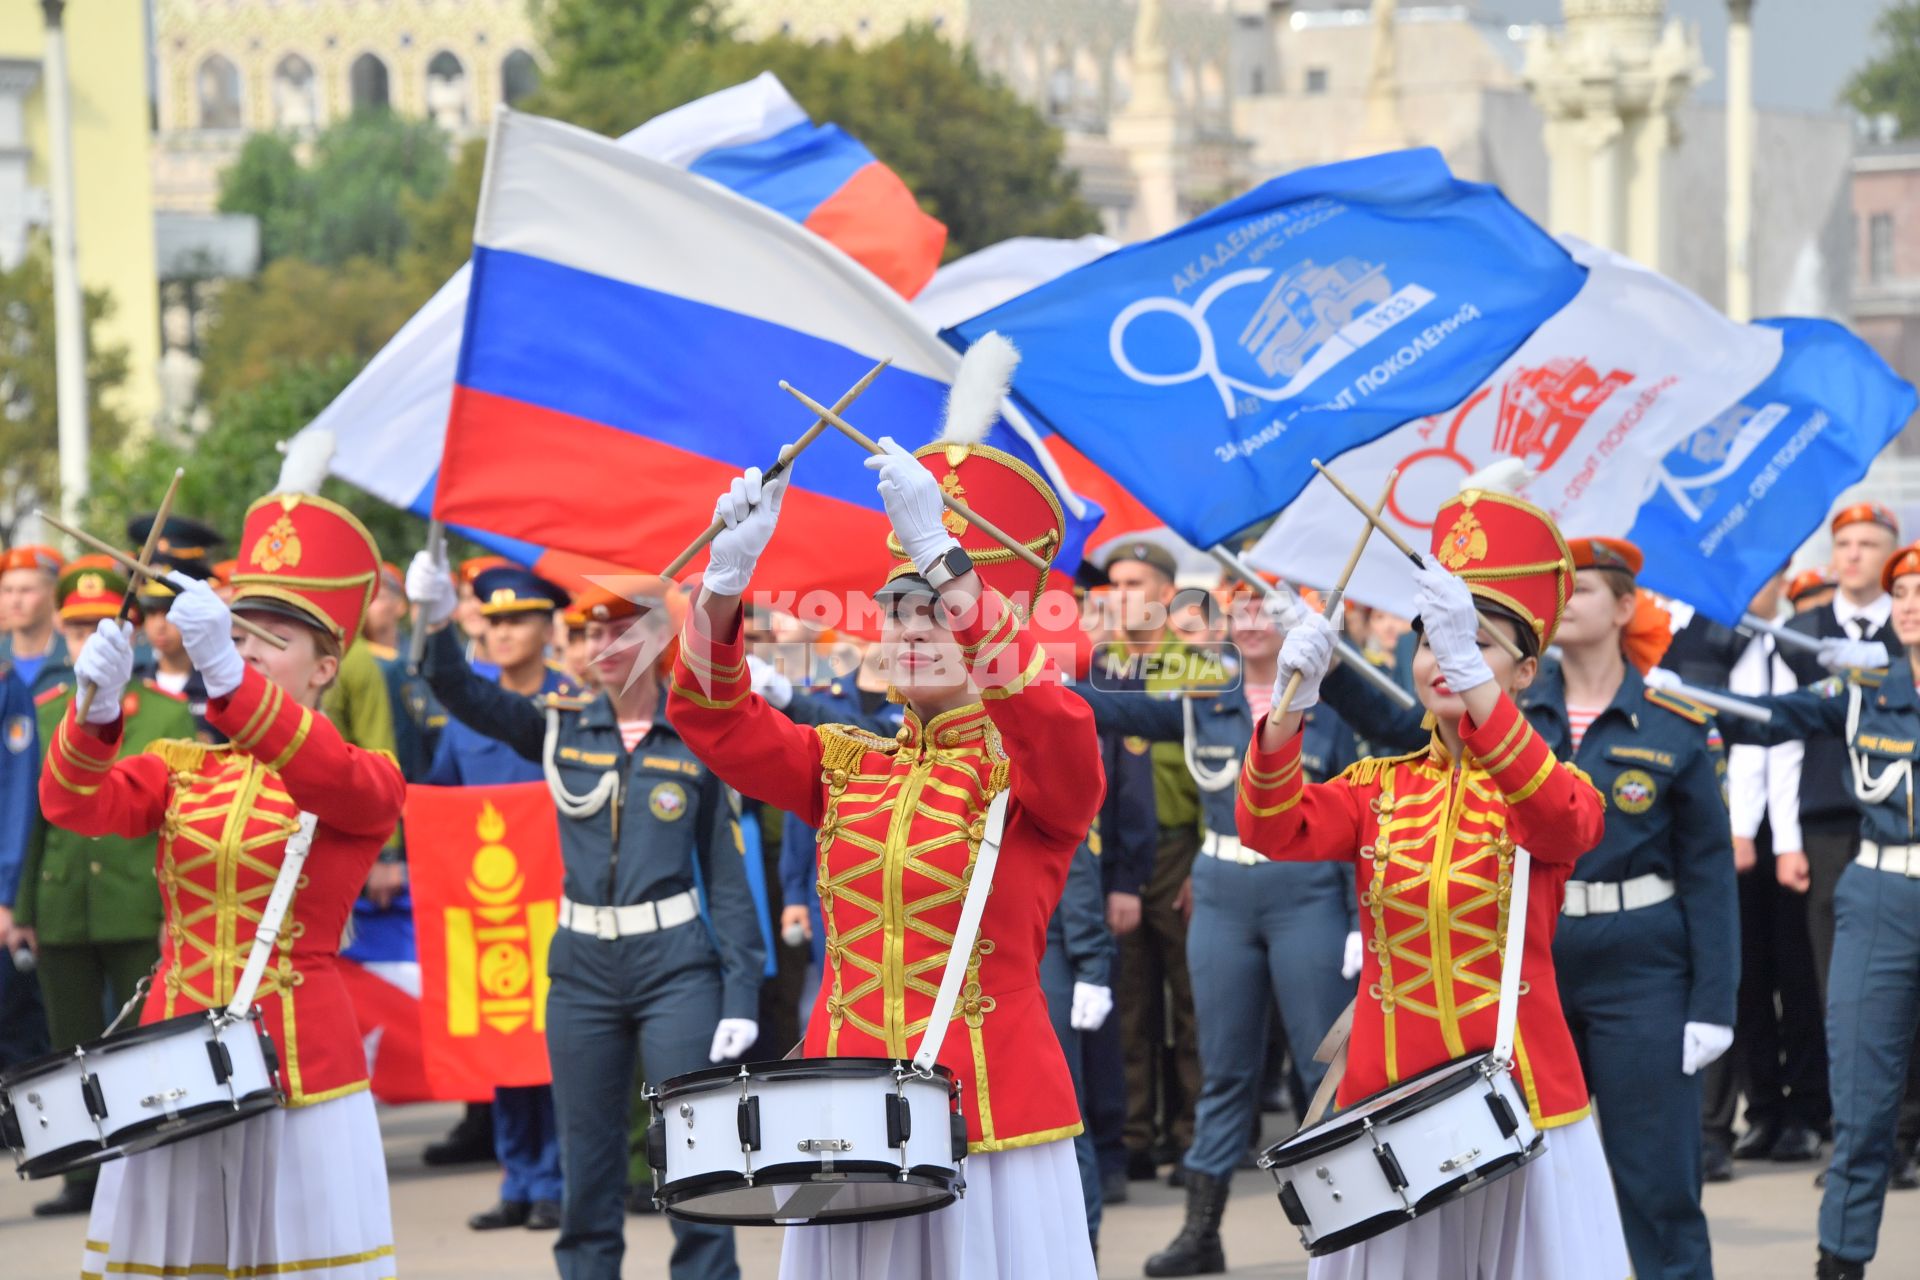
[235, 461]
[349, 199]
[977, 157]
[1889, 84]
[29, 414]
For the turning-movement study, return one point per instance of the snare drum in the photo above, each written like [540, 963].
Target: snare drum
[137, 1089]
[807, 1140]
[1403, 1152]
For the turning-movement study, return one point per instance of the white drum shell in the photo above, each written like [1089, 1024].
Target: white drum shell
[1437, 1145]
[172, 1075]
[51, 1110]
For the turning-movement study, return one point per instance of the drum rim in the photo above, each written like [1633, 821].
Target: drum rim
[118, 1040]
[1338, 1129]
[67, 1158]
[707, 1078]
[942, 1179]
[1378, 1224]
[132, 1139]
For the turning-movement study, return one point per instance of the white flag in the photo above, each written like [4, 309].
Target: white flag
[1591, 403]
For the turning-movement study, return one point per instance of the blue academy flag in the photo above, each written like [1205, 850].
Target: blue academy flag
[1205, 369]
[1732, 501]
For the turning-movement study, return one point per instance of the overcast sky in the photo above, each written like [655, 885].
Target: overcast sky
[1803, 50]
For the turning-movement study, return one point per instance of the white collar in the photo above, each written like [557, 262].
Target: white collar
[1875, 613]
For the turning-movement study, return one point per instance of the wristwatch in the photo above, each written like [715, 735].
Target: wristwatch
[953, 563]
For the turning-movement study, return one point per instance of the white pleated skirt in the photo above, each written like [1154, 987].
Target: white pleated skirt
[1023, 1218]
[299, 1191]
[1555, 1219]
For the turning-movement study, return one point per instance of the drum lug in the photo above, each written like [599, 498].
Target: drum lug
[959, 1123]
[10, 1130]
[1389, 1166]
[899, 1124]
[657, 1143]
[1503, 1116]
[96, 1097]
[1290, 1203]
[747, 1116]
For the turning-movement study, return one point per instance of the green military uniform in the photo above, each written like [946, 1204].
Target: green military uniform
[93, 901]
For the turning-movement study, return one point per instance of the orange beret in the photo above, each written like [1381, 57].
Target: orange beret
[1902, 562]
[1866, 513]
[33, 556]
[1606, 553]
[1808, 581]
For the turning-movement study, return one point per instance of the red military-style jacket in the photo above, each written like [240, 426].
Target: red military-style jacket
[224, 814]
[900, 822]
[1433, 842]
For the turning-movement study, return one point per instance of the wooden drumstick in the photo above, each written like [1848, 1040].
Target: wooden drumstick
[1332, 604]
[1400, 544]
[133, 584]
[785, 460]
[133, 566]
[953, 504]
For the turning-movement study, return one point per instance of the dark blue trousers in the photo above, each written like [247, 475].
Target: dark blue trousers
[656, 994]
[526, 1139]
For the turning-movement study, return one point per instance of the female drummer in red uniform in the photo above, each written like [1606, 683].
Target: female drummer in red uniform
[900, 822]
[300, 1189]
[1449, 818]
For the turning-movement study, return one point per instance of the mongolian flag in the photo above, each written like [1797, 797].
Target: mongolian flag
[485, 868]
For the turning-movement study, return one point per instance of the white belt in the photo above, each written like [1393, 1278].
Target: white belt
[1597, 898]
[1229, 849]
[608, 923]
[1901, 859]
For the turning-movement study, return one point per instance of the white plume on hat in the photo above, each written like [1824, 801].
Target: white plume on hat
[305, 468]
[973, 402]
[1502, 475]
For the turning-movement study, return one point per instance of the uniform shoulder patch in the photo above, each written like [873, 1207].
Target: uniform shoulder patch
[49, 695]
[567, 701]
[384, 652]
[842, 745]
[151, 687]
[1682, 707]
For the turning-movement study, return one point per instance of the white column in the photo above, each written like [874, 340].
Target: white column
[69, 317]
[1740, 159]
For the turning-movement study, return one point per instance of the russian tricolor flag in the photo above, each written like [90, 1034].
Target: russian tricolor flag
[389, 424]
[627, 326]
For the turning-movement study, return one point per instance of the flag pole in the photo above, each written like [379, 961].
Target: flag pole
[1332, 603]
[417, 638]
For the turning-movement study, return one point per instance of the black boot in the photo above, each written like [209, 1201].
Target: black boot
[74, 1197]
[468, 1142]
[1196, 1250]
[1832, 1267]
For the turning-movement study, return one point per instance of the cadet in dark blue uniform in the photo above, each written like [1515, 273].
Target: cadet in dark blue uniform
[1076, 976]
[518, 607]
[1648, 949]
[1262, 930]
[642, 825]
[1873, 995]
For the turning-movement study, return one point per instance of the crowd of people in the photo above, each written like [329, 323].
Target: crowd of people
[1266, 901]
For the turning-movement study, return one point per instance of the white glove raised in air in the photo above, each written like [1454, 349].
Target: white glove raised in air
[1701, 1043]
[750, 508]
[766, 680]
[1662, 679]
[429, 587]
[105, 665]
[1452, 625]
[1091, 1005]
[206, 632]
[1355, 956]
[733, 1037]
[912, 498]
[1308, 649]
[1852, 655]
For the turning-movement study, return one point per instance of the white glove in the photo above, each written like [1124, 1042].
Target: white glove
[1852, 655]
[1091, 1005]
[1308, 649]
[106, 665]
[912, 498]
[429, 587]
[206, 631]
[1701, 1043]
[1453, 627]
[1355, 956]
[768, 682]
[733, 1037]
[1662, 679]
[750, 510]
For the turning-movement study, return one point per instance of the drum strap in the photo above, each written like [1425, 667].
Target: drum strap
[278, 901]
[1333, 1049]
[964, 933]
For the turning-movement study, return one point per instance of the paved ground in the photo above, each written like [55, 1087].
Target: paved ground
[1762, 1226]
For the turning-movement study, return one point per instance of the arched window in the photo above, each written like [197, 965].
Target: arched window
[447, 92]
[367, 84]
[218, 86]
[296, 105]
[519, 76]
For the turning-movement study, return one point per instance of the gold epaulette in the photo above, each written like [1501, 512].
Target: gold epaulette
[45, 696]
[384, 652]
[1685, 708]
[842, 745]
[1867, 679]
[180, 755]
[1363, 773]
